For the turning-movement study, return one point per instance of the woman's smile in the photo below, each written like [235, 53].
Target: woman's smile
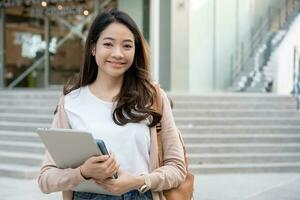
[116, 64]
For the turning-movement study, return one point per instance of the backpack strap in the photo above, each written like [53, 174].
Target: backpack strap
[158, 106]
[184, 150]
[157, 103]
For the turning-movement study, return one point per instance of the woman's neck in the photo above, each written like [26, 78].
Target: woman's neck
[106, 88]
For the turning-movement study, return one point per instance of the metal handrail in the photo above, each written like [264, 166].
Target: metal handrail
[296, 76]
[257, 38]
[249, 48]
[26, 72]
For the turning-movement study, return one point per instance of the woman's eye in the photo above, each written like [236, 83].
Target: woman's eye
[107, 44]
[127, 46]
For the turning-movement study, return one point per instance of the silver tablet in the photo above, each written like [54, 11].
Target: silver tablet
[69, 149]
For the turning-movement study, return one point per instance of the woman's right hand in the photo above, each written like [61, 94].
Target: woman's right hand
[99, 167]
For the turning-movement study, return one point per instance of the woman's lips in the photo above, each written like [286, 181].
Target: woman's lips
[116, 64]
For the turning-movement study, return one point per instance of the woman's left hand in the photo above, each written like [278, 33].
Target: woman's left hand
[124, 183]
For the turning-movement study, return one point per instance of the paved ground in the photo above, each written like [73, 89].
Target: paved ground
[248, 187]
[208, 187]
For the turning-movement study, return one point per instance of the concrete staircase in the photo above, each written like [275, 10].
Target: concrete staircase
[240, 133]
[223, 133]
[21, 112]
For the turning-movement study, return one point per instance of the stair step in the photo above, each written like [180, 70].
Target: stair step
[21, 126]
[246, 168]
[223, 101]
[29, 95]
[21, 158]
[243, 158]
[241, 138]
[192, 121]
[28, 102]
[19, 117]
[190, 129]
[19, 136]
[178, 113]
[28, 147]
[243, 148]
[217, 106]
[244, 101]
[27, 109]
[18, 171]
[238, 97]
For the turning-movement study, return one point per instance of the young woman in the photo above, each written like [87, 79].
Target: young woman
[114, 99]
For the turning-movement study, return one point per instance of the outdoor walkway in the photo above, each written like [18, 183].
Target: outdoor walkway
[248, 187]
[208, 187]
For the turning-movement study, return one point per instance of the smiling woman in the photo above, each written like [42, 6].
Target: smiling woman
[115, 99]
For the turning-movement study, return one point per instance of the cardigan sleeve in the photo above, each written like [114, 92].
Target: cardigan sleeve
[51, 178]
[173, 171]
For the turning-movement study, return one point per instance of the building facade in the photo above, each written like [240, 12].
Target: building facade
[196, 45]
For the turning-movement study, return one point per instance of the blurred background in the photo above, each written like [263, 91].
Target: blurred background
[231, 67]
[197, 45]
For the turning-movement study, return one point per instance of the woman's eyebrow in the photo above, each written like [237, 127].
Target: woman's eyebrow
[110, 38]
[128, 40]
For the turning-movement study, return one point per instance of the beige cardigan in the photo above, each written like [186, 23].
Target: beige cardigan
[53, 179]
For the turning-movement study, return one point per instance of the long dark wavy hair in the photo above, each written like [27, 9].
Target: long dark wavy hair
[137, 95]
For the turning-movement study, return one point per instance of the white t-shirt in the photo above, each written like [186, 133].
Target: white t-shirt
[130, 143]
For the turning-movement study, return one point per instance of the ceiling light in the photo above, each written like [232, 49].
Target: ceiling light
[44, 3]
[86, 12]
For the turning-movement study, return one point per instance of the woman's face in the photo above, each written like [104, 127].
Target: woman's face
[114, 50]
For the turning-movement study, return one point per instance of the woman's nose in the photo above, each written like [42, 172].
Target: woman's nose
[117, 52]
